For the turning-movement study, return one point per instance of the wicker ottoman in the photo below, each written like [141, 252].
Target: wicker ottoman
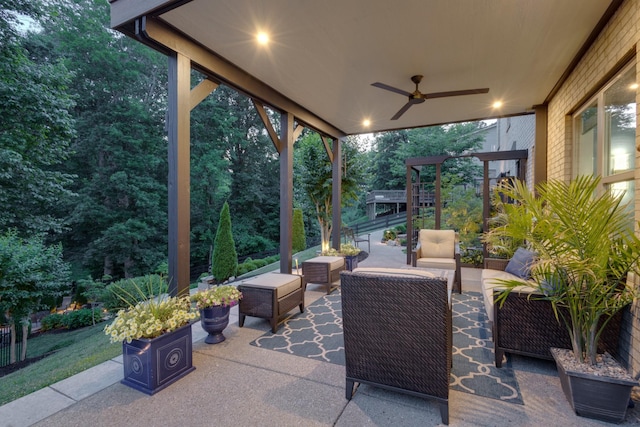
[323, 270]
[270, 296]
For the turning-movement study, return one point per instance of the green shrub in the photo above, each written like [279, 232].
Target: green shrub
[163, 269]
[79, 318]
[401, 228]
[259, 263]
[247, 242]
[242, 269]
[299, 240]
[272, 259]
[251, 265]
[52, 321]
[225, 257]
[389, 235]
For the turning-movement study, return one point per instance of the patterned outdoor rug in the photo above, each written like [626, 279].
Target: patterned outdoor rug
[317, 334]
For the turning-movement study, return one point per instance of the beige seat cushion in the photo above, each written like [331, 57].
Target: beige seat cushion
[409, 272]
[335, 261]
[490, 281]
[284, 284]
[404, 272]
[443, 263]
[437, 243]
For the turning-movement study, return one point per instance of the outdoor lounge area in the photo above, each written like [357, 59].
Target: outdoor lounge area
[238, 383]
[322, 345]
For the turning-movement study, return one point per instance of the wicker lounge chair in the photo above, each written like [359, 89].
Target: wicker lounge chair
[439, 249]
[397, 332]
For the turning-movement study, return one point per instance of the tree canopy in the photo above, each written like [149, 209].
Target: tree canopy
[83, 150]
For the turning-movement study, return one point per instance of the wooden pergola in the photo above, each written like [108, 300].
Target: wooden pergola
[415, 164]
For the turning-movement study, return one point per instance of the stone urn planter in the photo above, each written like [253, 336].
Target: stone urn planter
[214, 320]
[215, 304]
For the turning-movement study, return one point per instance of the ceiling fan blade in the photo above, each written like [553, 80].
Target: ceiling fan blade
[402, 110]
[455, 93]
[391, 88]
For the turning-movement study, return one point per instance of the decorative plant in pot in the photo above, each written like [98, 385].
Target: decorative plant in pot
[500, 245]
[585, 248]
[156, 338]
[215, 304]
[348, 251]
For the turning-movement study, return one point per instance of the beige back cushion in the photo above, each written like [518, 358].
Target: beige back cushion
[437, 243]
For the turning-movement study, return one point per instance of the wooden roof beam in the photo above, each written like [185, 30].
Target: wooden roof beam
[158, 35]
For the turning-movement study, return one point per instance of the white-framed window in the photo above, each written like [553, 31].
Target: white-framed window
[605, 134]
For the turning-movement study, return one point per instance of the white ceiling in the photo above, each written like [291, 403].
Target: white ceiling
[324, 54]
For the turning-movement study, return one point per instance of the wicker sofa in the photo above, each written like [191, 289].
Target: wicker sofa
[526, 324]
[397, 332]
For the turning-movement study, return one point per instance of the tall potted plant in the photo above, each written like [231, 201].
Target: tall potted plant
[585, 248]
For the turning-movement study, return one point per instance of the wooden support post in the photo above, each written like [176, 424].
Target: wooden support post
[540, 147]
[438, 195]
[409, 185]
[286, 191]
[336, 193]
[178, 129]
[486, 204]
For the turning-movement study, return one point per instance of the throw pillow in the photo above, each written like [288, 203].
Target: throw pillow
[520, 264]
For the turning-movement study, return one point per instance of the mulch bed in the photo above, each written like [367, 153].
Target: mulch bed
[6, 370]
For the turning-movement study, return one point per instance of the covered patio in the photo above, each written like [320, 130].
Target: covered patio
[236, 383]
[346, 68]
[326, 69]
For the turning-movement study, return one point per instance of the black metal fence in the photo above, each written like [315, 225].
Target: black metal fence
[380, 222]
[5, 344]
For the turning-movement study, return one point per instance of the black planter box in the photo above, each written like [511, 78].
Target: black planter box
[351, 262]
[152, 364]
[594, 396]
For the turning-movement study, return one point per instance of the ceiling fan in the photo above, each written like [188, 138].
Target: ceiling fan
[418, 97]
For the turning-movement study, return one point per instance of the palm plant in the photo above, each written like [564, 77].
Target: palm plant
[585, 250]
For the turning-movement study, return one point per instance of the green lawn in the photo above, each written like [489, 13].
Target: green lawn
[73, 352]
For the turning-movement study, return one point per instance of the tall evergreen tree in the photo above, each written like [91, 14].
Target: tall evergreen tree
[299, 239]
[385, 159]
[120, 219]
[210, 172]
[225, 257]
[255, 189]
[232, 158]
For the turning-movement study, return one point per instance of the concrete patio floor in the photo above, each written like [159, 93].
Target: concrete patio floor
[237, 384]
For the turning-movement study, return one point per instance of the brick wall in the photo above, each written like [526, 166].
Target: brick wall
[517, 133]
[621, 35]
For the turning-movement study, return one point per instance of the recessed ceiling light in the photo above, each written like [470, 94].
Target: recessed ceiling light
[497, 104]
[633, 86]
[366, 123]
[263, 38]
